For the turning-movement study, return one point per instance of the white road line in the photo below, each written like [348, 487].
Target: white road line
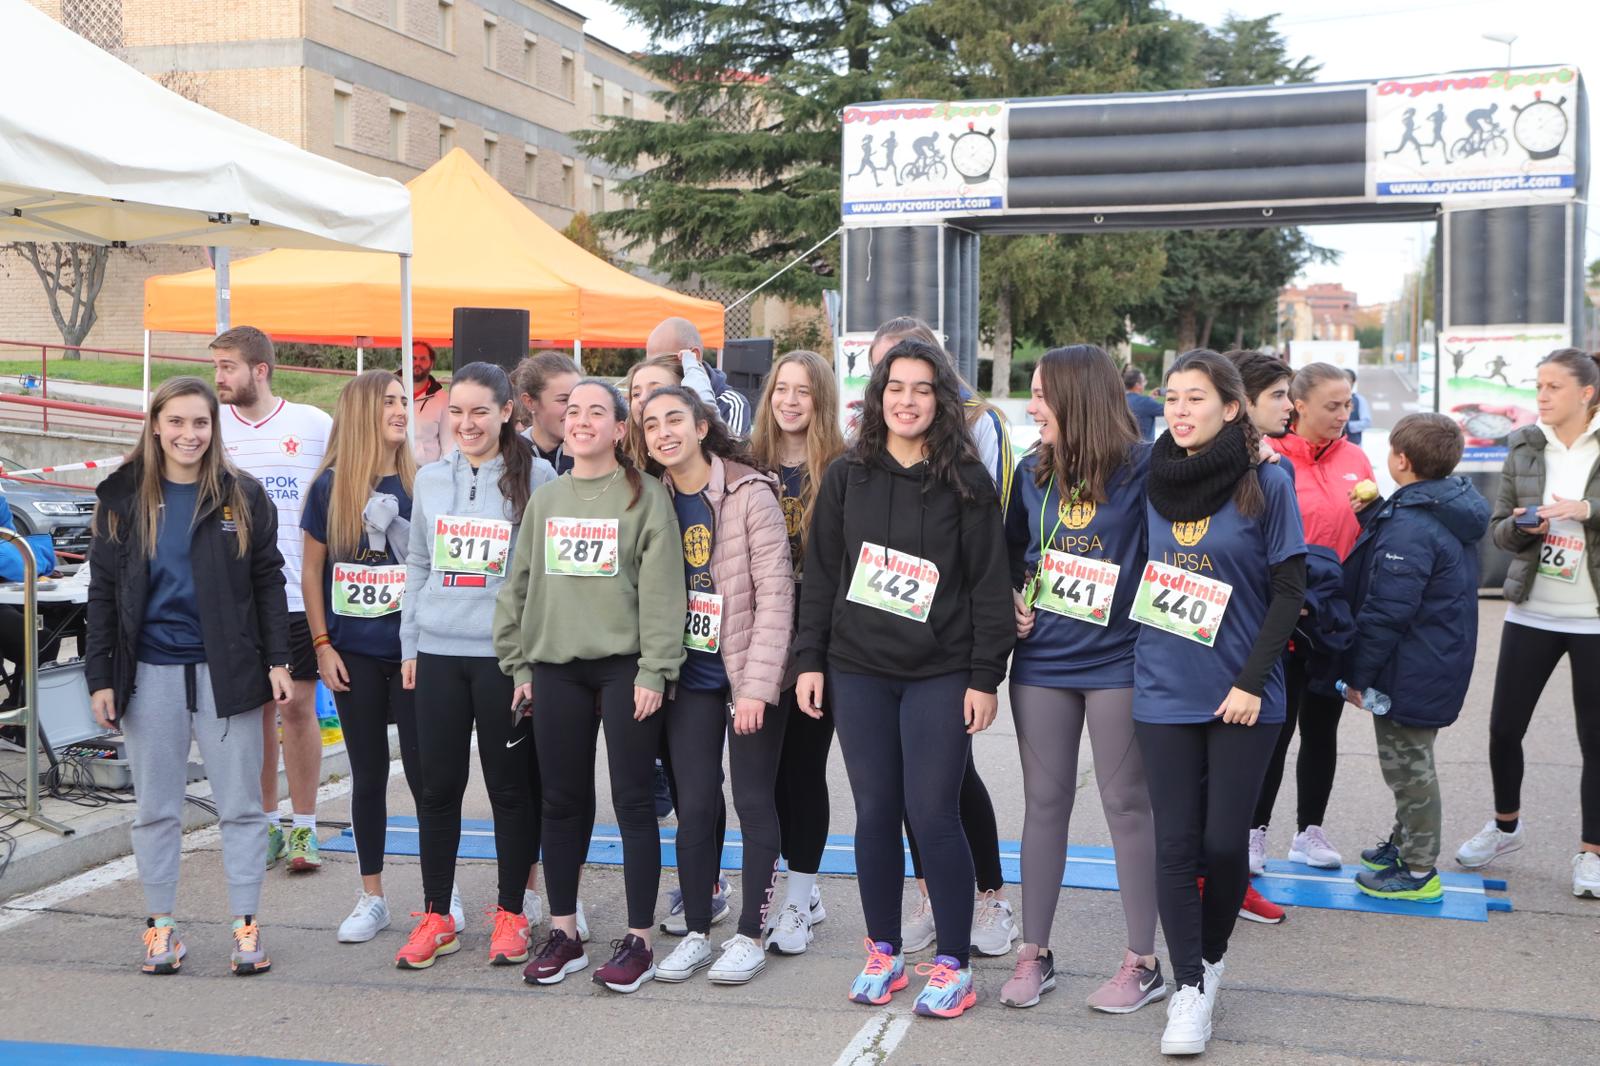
[26, 908]
[875, 1040]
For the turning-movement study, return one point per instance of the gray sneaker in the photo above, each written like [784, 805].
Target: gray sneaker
[1489, 844]
[248, 955]
[675, 924]
[163, 951]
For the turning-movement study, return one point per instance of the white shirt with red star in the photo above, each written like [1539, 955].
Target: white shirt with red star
[282, 451]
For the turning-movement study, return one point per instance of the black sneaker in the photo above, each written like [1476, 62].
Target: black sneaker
[1385, 855]
[1397, 882]
[630, 967]
[663, 793]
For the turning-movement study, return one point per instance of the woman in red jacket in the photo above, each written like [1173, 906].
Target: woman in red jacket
[1327, 468]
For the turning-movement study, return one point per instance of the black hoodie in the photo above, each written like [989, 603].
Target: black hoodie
[970, 625]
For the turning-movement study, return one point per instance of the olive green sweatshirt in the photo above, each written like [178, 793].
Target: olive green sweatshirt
[637, 607]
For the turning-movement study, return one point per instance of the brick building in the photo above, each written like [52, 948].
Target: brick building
[387, 86]
[1322, 312]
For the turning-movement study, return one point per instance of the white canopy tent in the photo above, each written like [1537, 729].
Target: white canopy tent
[93, 151]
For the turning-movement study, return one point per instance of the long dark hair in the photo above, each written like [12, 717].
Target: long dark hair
[1094, 427]
[515, 449]
[717, 441]
[1224, 376]
[948, 442]
[619, 411]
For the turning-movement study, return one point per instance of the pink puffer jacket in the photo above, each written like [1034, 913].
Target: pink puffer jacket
[750, 569]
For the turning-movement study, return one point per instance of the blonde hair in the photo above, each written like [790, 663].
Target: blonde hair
[149, 463]
[357, 455]
[824, 441]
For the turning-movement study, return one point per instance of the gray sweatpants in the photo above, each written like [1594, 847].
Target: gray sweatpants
[1050, 725]
[158, 728]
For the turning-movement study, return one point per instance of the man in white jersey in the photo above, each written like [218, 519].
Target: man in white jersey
[281, 444]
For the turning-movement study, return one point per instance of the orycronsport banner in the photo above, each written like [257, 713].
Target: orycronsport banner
[1490, 133]
[1488, 382]
[924, 160]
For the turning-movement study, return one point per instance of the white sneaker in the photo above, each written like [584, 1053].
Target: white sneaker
[1313, 849]
[1213, 972]
[1258, 851]
[1586, 874]
[458, 915]
[1489, 844]
[532, 908]
[675, 924]
[1188, 1023]
[370, 917]
[917, 931]
[993, 927]
[742, 958]
[583, 924]
[791, 934]
[691, 956]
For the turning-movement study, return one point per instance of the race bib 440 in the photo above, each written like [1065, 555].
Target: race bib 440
[581, 547]
[471, 545]
[889, 581]
[1181, 603]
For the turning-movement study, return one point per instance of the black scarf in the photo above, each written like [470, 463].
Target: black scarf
[1184, 487]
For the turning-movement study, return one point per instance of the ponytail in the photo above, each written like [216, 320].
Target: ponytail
[517, 452]
[631, 472]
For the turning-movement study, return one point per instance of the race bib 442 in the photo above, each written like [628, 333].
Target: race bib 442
[889, 581]
[1181, 603]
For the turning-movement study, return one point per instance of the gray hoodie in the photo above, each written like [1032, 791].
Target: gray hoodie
[455, 618]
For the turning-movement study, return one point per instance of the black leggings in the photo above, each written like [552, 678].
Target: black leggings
[375, 699]
[802, 791]
[1318, 717]
[1204, 780]
[696, 724]
[1528, 656]
[905, 744]
[566, 729]
[978, 823]
[455, 694]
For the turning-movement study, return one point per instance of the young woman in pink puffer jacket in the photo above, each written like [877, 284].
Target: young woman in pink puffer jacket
[741, 607]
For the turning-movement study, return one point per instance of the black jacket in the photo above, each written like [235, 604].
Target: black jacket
[970, 625]
[243, 611]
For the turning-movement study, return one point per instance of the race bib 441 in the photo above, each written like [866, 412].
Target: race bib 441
[581, 547]
[1076, 587]
[1181, 603]
[471, 545]
[889, 581]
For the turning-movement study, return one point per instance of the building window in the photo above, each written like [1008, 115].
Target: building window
[530, 173]
[491, 149]
[530, 58]
[569, 189]
[629, 201]
[447, 136]
[447, 24]
[341, 113]
[597, 196]
[597, 99]
[489, 28]
[397, 132]
[569, 75]
[627, 105]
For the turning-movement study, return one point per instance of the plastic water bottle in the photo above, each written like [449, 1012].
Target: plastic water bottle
[1372, 699]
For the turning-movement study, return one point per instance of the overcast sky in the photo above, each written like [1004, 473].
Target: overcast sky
[1370, 40]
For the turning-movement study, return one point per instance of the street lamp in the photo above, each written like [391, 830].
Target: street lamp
[1506, 39]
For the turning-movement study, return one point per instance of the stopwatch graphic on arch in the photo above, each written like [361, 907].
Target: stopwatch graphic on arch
[973, 153]
[1540, 127]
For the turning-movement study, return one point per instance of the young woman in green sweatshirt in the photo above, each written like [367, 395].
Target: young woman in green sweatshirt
[601, 546]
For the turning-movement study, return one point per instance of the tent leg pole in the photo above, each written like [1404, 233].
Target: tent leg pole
[577, 354]
[358, 359]
[147, 371]
[224, 292]
[405, 342]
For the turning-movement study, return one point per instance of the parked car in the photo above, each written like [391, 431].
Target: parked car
[64, 513]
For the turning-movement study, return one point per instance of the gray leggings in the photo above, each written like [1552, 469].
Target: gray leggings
[1049, 725]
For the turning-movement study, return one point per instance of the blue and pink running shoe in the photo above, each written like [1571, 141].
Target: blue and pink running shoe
[949, 990]
[881, 978]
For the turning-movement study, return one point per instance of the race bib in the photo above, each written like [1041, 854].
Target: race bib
[581, 547]
[702, 626]
[1561, 557]
[1181, 603]
[1075, 587]
[367, 591]
[471, 545]
[888, 581]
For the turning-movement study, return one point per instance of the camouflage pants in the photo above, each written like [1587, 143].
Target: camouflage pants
[1406, 756]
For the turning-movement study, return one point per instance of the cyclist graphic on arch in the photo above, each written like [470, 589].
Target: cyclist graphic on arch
[1409, 137]
[867, 162]
[926, 160]
[1487, 137]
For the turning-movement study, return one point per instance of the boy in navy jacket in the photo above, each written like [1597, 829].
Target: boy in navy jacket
[1412, 580]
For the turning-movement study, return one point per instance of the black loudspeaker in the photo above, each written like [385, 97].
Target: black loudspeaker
[496, 335]
[747, 362]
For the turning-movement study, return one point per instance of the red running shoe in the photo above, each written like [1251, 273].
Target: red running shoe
[1258, 908]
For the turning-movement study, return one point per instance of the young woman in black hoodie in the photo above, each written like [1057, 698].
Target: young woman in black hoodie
[907, 606]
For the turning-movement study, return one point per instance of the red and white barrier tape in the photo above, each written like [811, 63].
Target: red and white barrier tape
[92, 464]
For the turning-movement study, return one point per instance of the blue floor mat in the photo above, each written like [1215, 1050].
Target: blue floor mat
[1289, 884]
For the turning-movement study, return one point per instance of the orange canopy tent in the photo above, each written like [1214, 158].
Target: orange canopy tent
[474, 245]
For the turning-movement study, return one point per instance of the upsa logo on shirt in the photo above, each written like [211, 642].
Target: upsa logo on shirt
[697, 545]
[1077, 514]
[1189, 534]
